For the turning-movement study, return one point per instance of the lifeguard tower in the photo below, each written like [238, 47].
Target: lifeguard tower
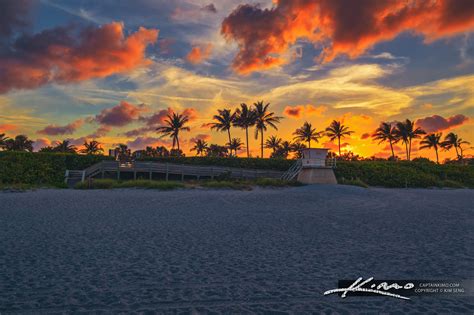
[313, 168]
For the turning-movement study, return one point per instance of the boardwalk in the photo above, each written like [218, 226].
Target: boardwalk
[165, 171]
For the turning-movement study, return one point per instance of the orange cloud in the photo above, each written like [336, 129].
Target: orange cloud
[338, 26]
[299, 111]
[59, 55]
[7, 127]
[198, 54]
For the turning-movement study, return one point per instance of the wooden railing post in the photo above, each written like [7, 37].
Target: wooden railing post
[167, 171]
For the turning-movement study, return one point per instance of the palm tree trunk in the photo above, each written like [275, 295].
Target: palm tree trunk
[247, 139]
[457, 152]
[437, 160]
[406, 149]
[339, 144]
[409, 150]
[309, 144]
[261, 143]
[228, 133]
[177, 141]
[391, 148]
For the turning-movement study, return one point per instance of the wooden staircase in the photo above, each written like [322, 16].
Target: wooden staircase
[293, 171]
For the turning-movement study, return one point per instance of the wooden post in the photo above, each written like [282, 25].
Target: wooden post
[83, 176]
[118, 171]
[182, 175]
[212, 173]
[151, 175]
[66, 177]
[134, 172]
[167, 171]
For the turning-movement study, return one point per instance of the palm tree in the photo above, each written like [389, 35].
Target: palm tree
[306, 134]
[235, 144]
[337, 131]
[20, 143]
[245, 118]
[432, 141]
[3, 140]
[200, 146]
[273, 143]
[283, 150]
[92, 147]
[174, 123]
[453, 141]
[297, 148]
[48, 149]
[406, 132]
[263, 119]
[386, 132]
[65, 147]
[224, 121]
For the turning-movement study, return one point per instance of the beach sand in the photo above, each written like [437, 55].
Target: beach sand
[224, 251]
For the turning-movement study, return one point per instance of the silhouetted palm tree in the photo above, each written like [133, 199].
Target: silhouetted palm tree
[200, 146]
[245, 118]
[306, 134]
[174, 123]
[235, 145]
[386, 132]
[283, 150]
[432, 141]
[406, 132]
[273, 143]
[297, 148]
[20, 143]
[65, 147]
[453, 141]
[92, 147]
[337, 131]
[3, 140]
[224, 121]
[263, 119]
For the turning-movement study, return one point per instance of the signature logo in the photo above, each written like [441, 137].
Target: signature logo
[361, 285]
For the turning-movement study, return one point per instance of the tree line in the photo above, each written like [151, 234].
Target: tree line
[259, 118]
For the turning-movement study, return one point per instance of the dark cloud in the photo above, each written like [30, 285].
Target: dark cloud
[120, 115]
[338, 26]
[55, 130]
[437, 123]
[141, 143]
[13, 16]
[365, 136]
[211, 8]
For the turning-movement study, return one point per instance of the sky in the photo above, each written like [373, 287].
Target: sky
[111, 70]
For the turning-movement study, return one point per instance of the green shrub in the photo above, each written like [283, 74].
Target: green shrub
[404, 174]
[450, 184]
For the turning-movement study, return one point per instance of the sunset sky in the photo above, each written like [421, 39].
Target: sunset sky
[111, 69]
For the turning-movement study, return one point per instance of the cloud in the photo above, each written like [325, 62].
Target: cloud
[157, 119]
[437, 123]
[120, 115]
[365, 136]
[204, 137]
[13, 15]
[66, 54]
[211, 8]
[299, 111]
[337, 26]
[199, 54]
[100, 132]
[7, 128]
[55, 130]
[41, 143]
